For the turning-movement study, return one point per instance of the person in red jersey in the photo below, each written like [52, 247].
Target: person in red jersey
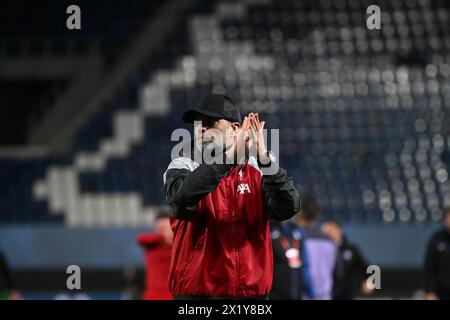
[158, 248]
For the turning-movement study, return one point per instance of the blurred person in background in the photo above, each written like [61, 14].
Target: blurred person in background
[437, 262]
[318, 253]
[287, 262]
[7, 291]
[158, 251]
[350, 273]
[132, 284]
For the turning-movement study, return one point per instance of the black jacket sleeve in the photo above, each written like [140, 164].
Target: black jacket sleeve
[281, 199]
[184, 188]
[430, 266]
[5, 274]
[360, 262]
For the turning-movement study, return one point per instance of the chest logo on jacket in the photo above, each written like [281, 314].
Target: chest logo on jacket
[243, 187]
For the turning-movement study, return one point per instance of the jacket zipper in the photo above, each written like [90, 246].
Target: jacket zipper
[237, 273]
[234, 226]
[230, 185]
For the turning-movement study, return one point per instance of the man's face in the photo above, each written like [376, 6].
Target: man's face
[213, 130]
[162, 226]
[447, 221]
[333, 231]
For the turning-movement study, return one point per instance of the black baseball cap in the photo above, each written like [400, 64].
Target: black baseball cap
[216, 106]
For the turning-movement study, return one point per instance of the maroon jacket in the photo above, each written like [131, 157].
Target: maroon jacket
[220, 219]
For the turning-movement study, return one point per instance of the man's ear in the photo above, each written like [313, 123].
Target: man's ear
[235, 126]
